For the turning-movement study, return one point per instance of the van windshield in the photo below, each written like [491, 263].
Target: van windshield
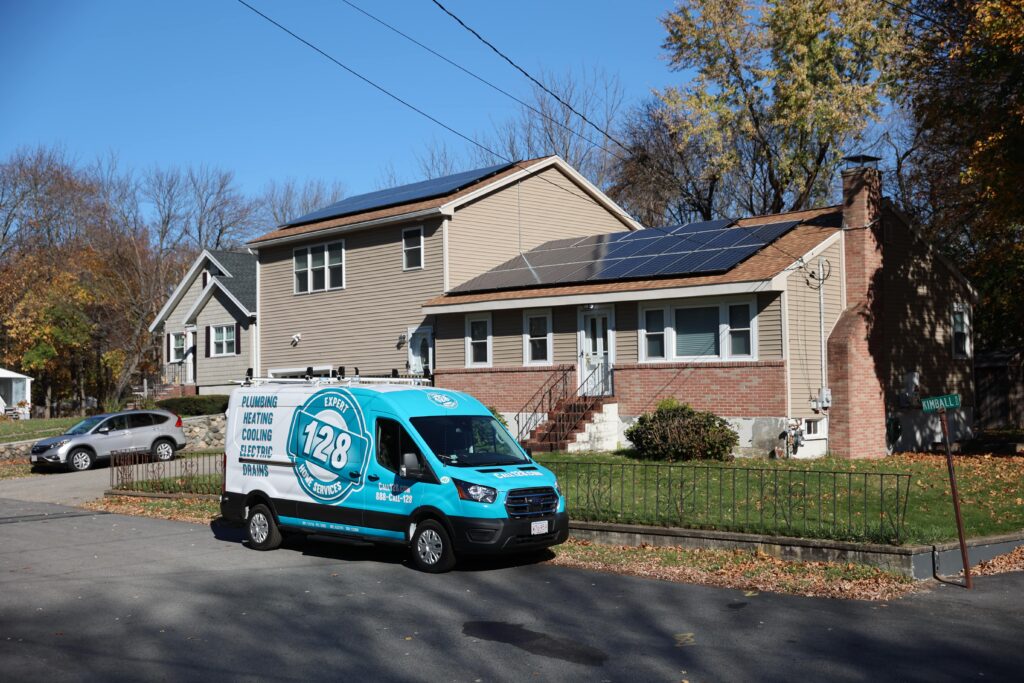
[469, 440]
[85, 425]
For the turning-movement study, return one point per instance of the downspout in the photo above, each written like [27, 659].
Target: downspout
[821, 341]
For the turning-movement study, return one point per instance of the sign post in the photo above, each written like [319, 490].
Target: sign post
[939, 404]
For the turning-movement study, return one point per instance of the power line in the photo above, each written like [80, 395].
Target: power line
[419, 111]
[405, 103]
[482, 80]
[527, 74]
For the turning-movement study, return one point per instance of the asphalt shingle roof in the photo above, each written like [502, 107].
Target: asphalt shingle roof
[242, 283]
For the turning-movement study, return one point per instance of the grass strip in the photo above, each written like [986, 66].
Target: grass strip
[15, 469]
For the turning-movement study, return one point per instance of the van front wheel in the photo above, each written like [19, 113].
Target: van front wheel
[262, 529]
[432, 548]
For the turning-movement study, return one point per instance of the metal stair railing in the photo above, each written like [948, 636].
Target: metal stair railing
[572, 411]
[542, 404]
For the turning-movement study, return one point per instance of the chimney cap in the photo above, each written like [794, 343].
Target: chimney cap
[861, 161]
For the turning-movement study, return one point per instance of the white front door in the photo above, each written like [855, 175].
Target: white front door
[421, 350]
[595, 366]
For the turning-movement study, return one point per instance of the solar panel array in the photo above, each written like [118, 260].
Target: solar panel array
[403, 194]
[694, 248]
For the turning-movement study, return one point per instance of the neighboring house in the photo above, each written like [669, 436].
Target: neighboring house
[1000, 379]
[208, 326]
[344, 286]
[840, 318]
[15, 394]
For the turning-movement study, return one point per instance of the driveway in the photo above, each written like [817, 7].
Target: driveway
[57, 486]
[112, 598]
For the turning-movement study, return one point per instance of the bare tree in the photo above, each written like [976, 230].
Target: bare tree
[288, 199]
[439, 160]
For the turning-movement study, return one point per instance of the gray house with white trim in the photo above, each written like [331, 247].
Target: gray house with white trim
[208, 326]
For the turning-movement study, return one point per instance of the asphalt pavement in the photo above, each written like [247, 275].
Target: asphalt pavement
[85, 596]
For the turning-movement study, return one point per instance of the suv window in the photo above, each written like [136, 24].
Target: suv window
[158, 419]
[136, 420]
[115, 424]
[392, 442]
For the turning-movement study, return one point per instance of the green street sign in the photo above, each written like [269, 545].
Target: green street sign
[937, 403]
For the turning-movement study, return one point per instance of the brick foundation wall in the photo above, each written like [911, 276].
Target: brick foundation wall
[729, 389]
[505, 389]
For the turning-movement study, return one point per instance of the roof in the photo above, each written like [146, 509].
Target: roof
[460, 190]
[10, 374]
[403, 194]
[242, 280]
[811, 230]
[237, 280]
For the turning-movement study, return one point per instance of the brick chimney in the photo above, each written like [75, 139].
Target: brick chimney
[862, 198]
[857, 416]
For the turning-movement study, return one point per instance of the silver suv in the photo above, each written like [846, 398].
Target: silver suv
[156, 431]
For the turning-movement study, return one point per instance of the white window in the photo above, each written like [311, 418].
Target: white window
[412, 249]
[223, 340]
[478, 341]
[961, 332]
[706, 331]
[319, 267]
[811, 427]
[537, 338]
[177, 347]
[654, 333]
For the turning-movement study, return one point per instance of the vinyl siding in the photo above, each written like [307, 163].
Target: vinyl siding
[804, 329]
[221, 369]
[769, 326]
[626, 324]
[360, 325]
[548, 206]
[507, 338]
[175, 322]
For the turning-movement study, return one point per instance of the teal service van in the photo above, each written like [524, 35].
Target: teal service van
[427, 468]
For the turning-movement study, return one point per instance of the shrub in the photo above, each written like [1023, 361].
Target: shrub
[211, 404]
[678, 432]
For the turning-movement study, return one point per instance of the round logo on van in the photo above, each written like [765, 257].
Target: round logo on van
[327, 443]
[443, 400]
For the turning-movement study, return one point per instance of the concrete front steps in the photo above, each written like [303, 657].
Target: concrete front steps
[597, 428]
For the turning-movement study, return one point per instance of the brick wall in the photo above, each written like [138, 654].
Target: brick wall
[729, 389]
[505, 389]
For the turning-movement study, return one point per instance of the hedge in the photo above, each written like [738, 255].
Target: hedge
[211, 404]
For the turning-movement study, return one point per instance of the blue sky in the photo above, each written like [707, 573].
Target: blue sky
[209, 82]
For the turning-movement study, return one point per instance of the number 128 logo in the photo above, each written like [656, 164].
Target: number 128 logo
[328, 443]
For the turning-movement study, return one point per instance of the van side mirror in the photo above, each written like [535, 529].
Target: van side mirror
[410, 467]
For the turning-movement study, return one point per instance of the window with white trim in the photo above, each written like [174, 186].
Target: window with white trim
[961, 332]
[705, 331]
[537, 338]
[478, 341]
[319, 267]
[654, 333]
[223, 340]
[412, 249]
[177, 347]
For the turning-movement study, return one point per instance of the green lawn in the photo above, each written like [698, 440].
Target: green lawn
[24, 430]
[826, 498]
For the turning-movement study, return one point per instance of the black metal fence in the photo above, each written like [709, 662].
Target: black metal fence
[858, 506]
[190, 472]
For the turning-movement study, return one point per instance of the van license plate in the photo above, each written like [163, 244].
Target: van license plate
[538, 527]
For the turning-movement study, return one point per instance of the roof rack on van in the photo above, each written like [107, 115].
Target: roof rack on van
[341, 381]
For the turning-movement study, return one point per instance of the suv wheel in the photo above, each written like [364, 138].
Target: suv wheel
[163, 450]
[432, 548]
[80, 460]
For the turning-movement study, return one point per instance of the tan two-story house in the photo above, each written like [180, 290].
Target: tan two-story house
[343, 287]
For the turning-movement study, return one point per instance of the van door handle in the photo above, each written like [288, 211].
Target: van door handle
[354, 475]
[373, 477]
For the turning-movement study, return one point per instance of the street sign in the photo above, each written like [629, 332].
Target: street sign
[934, 404]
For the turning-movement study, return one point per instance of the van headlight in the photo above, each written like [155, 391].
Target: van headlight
[475, 492]
[58, 444]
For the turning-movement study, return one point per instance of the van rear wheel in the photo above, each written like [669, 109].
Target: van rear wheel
[432, 548]
[262, 529]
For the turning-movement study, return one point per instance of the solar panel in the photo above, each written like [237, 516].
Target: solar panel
[704, 226]
[403, 194]
[644, 254]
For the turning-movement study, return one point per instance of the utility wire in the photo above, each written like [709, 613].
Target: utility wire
[527, 74]
[424, 114]
[491, 85]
